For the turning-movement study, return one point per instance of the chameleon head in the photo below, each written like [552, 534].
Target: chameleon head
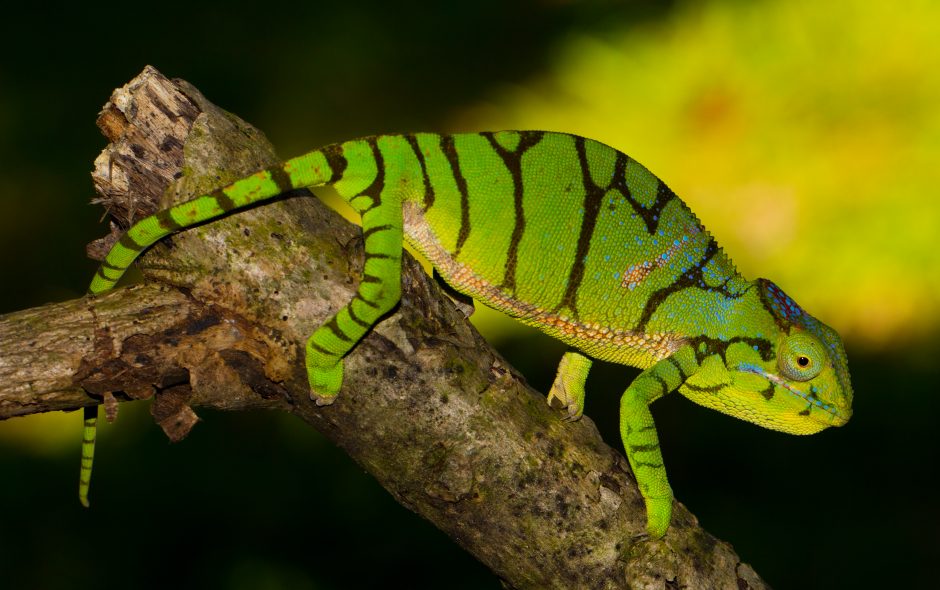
[795, 381]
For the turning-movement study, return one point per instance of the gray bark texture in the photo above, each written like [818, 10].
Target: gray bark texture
[427, 407]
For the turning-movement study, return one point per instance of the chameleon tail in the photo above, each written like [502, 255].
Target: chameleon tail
[313, 169]
[88, 452]
[319, 167]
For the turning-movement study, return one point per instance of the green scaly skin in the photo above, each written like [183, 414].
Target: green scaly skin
[575, 238]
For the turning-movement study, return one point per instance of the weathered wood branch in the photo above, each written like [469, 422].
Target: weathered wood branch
[427, 407]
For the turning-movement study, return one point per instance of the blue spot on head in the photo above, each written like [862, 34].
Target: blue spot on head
[607, 258]
[616, 275]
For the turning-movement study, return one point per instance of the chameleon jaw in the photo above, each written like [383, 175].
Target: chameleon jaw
[835, 416]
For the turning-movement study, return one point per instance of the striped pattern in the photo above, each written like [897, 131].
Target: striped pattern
[89, 433]
[568, 235]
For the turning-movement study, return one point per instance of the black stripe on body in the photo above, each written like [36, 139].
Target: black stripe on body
[374, 190]
[513, 162]
[675, 363]
[769, 392]
[280, 178]
[644, 448]
[375, 229]
[366, 234]
[336, 161]
[313, 345]
[352, 315]
[708, 389]
[368, 302]
[705, 346]
[128, 242]
[630, 431]
[428, 199]
[225, 202]
[450, 153]
[651, 465]
[593, 197]
[333, 326]
[693, 278]
[652, 215]
[166, 221]
[662, 383]
[378, 256]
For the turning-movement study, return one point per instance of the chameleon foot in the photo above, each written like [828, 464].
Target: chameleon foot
[568, 387]
[325, 383]
[658, 515]
[561, 399]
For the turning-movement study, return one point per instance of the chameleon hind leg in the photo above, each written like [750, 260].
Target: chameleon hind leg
[378, 292]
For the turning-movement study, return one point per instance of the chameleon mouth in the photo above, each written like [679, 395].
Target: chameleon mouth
[835, 416]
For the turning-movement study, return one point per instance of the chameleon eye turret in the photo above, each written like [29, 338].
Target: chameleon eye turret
[570, 236]
[801, 357]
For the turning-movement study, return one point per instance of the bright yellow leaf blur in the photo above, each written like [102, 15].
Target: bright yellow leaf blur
[805, 135]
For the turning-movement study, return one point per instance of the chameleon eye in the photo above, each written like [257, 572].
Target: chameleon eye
[800, 357]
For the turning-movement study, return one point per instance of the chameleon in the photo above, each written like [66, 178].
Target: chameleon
[570, 236]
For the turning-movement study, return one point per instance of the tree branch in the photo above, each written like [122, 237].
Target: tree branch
[427, 407]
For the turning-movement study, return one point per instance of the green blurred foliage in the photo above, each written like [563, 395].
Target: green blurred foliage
[805, 135]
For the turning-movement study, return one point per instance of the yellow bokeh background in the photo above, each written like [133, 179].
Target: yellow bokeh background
[805, 135]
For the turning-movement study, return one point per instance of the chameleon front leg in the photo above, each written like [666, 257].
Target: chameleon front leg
[568, 387]
[378, 292]
[640, 440]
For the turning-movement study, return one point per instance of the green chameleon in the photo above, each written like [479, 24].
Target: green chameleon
[572, 237]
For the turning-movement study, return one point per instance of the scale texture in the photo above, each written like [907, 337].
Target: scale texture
[570, 236]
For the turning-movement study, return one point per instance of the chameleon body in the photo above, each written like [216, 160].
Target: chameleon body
[572, 237]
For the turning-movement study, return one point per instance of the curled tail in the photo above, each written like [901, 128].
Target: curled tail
[316, 168]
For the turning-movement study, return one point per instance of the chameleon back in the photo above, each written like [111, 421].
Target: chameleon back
[568, 235]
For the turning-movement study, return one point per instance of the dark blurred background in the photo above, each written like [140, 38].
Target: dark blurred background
[805, 135]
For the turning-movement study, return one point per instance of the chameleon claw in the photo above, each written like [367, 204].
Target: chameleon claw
[322, 400]
[559, 399]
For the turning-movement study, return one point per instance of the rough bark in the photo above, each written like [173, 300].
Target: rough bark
[428, 408]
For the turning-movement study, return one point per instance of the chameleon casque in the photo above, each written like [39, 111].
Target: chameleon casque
[570, 236]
